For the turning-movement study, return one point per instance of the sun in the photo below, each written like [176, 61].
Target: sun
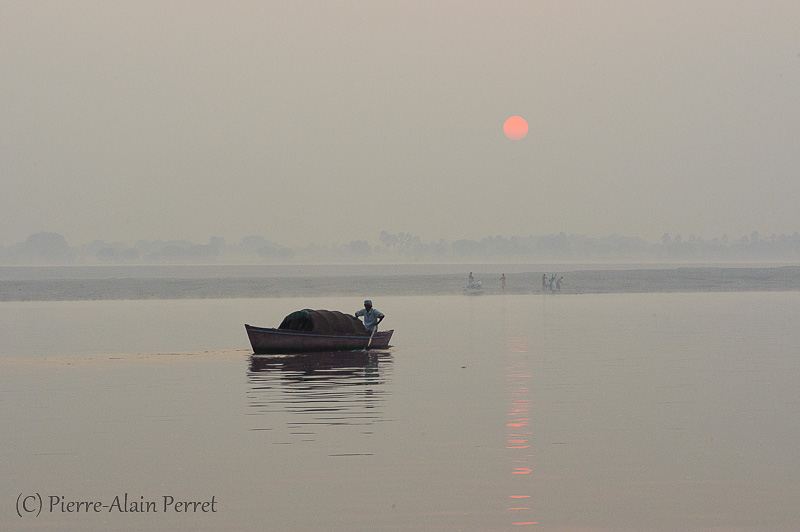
[515, 128]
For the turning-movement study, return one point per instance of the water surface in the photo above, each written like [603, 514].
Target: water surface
[608, 412]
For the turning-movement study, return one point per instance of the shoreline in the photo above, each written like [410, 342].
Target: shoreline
[207, 271]
[576, 281]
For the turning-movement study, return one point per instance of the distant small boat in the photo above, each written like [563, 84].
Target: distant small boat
[313, 331]
[473, 290]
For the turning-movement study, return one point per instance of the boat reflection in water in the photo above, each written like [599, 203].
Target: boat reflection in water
[299, 398]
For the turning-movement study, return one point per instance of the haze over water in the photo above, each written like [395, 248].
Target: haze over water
[331, 122]
[558, 412]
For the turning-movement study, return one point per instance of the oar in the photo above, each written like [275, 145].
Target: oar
[370, 337]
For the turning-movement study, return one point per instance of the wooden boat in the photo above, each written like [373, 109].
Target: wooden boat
[313, 331]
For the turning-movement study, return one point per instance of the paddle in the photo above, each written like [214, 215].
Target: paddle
[370, 337]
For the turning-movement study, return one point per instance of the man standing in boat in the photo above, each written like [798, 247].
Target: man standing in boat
[372, 316]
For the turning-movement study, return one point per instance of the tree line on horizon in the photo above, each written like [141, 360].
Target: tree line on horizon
[52, 248]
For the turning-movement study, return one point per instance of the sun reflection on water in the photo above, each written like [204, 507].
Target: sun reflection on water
[518, 434]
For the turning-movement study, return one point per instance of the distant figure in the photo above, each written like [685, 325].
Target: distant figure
[372, 316]
[471, 279]
[544, 282]
[503, 282]
[558, 283]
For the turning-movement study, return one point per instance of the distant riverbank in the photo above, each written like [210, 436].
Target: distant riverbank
[75, 284]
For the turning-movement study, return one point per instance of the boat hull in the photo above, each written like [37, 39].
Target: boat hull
[276, 341]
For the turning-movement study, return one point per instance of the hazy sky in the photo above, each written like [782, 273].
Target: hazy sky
[330, 121]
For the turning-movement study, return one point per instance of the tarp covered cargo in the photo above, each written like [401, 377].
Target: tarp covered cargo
[323, 322]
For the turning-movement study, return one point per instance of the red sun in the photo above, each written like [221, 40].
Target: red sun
[515, 128]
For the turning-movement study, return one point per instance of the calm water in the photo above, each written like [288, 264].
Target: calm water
[606, 412]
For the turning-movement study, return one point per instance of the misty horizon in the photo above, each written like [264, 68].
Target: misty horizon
[54, 249]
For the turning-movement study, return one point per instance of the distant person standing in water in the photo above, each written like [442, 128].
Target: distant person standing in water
[558, 283]
[503, 282]
[471, 279]
[372, 316]
[544, 282]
